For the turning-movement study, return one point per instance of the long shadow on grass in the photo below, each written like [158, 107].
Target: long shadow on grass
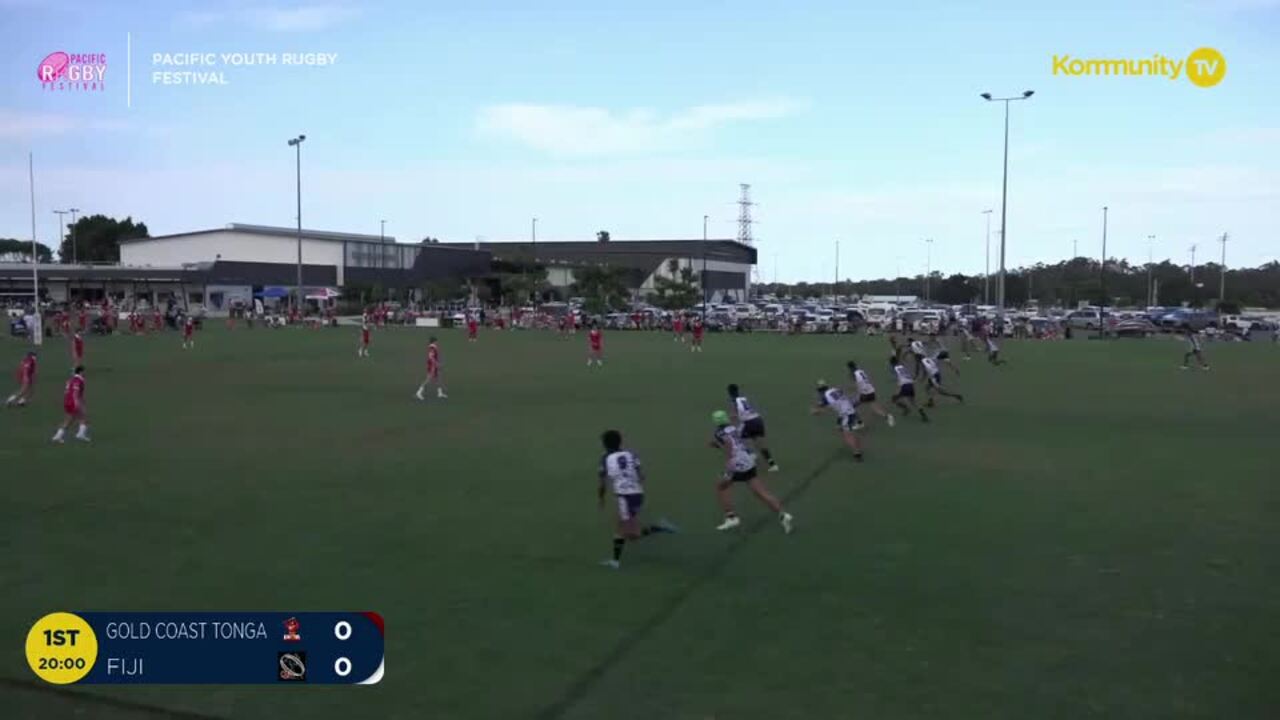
[587, 681]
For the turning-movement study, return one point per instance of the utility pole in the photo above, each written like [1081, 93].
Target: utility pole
[835, 286]
[1151, 241]
[1222, 278]
[62, 226]
[1193, 265]
[37, 333]
[703, 283]
[296, 143]
[986, 271]
[928, 265]
[1004, 186]
[1102, 309]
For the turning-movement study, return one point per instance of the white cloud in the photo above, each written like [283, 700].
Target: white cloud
[577, 130]
[17, 125]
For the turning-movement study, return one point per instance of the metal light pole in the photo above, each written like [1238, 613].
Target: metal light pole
[1102, 309]
[382, 231]
[705, 219]
[61, 227]
[1193, 265]
[928, 265]
[1151, 242]
[296, 143]
[75, 251]
[37, 332]
[986, 271]
[1222, 277]
[835, 286]
[1004, 184]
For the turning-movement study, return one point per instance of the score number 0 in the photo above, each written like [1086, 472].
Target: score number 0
[342, 631]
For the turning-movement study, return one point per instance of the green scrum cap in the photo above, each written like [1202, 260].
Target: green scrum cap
[720, 417]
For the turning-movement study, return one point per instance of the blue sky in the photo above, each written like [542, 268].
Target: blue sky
[857, 123]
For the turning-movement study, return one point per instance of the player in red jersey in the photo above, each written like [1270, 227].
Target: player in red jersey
[677, 329]
[26, 381]
[77, 349]
[697, 335]
[157, 320]
[595, 341]
[433, 372]
[363, 350]
[473, 327]
[73, 406]
[188, 328]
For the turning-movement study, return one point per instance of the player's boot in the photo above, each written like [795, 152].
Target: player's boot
[419, 394]
[611, 564]
[59, 437]
[889, 417]
[785, 518]
[730, 522]
[440, 394]
[666, 526]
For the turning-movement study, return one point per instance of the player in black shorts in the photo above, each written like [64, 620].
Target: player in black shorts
[751, 423]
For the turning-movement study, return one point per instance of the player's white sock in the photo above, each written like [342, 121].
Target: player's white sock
[58, 436]
[440, 393]
[83, 432]
[11, 399]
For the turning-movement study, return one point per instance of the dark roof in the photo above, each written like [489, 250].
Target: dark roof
[633, 253]
[99, 273]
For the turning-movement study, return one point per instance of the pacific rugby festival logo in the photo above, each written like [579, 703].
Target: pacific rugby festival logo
[66, 72]
[1204, 67]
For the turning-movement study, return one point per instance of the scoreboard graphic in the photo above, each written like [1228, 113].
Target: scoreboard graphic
[230, 648]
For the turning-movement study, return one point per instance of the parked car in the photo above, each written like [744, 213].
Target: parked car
[1135, 327]
[1086, 319]
[1186, 319]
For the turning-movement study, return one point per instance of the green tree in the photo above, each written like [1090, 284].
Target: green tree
[12, 250]
[98, 238]
[603, 288]
[677, 291]
[602, 236]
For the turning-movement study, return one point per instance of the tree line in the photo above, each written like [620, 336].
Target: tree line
[1071, 282]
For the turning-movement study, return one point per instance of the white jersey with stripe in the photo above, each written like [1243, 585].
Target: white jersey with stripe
[991, 344]
[930, 366]
[746, 411]
[917, 347]
[741, 458]
[1194, 341]
[865, 387]
[622, 470]
[834, 398]
[903, 375]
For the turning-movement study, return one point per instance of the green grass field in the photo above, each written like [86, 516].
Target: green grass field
[1094, 534]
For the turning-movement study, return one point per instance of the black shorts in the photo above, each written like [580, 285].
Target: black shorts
[629, 505]
[741, 476]
[867, 397]
[753, 428]
[935, 379]
[846, 422]
[906, 391]
[943, 355]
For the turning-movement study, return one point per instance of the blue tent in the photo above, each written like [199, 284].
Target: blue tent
[273, 291]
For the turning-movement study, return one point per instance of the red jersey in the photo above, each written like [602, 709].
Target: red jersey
[433, 357]
[188, 326]
[77, 346]
[84, 320]
[157, 321]
[678, 326]
[472, 327]
[73, 396]
[596, 338]
[27, 370]
[364, 334]
[697, 330]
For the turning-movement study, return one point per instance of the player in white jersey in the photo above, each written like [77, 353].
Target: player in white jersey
[905, 397]
[966, 340]
[867, 391]
[942, 355]
[934, 388]
[993, 350]
[740, 467]
[846, 415]
[1193, 350]
[620, 472]
[750, 424]
[917, 352]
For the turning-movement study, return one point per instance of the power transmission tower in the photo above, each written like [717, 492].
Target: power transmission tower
[744, 226]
